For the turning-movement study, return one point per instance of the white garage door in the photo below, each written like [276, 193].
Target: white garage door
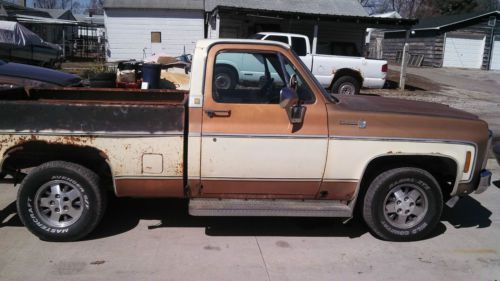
[495, 55]
[463, 52]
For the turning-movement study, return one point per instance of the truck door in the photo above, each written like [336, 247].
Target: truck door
[249, 148]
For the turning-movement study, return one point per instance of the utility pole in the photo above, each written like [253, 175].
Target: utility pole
[404, 63]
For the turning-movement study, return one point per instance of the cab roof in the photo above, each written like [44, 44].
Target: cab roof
[206, 43]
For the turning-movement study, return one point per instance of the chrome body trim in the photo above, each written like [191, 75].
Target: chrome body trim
[261, 179]
[268, 136]
[93, 134]
[146, 177]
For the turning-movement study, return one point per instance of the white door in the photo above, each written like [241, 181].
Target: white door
[495, 55]
[463, 52]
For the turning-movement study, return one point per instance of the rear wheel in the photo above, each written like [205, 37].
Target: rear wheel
[346, 85]
[403, 204]
[60, 201]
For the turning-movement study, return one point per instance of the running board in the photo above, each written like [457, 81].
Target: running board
[214, 207]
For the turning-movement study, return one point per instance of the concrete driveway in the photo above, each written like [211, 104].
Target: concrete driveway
[157, 240]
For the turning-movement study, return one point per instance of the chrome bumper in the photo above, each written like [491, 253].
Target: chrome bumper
[484, 181]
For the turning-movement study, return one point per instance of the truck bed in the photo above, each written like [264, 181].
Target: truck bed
[90, 111]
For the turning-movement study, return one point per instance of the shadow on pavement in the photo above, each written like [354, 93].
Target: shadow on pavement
[497, 183]
[468, 212]
[9, 217]
[124, 214]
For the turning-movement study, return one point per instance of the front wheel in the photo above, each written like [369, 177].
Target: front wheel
[60, 201]
[403, 204]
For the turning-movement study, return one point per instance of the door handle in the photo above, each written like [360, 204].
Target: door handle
[217, 113]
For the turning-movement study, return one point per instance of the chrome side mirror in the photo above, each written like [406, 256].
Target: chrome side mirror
[288, 97]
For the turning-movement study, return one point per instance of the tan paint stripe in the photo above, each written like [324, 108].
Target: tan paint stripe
[263, 187]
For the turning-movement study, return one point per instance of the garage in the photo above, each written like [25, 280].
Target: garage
[463, 52]
[495, 54]
[469, 40]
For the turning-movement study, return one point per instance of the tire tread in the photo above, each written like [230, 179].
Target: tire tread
[369, 199]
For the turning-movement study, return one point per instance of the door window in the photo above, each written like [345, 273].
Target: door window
[246, 77]
[303, 91]
[254, 78]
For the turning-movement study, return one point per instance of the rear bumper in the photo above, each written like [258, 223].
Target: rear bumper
[374, 83]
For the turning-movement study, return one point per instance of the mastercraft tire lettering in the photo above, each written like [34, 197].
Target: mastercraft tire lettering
[60, 201]
[403, 204]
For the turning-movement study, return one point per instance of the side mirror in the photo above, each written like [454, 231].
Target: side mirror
[293, 83]
[288, 98]
[296, 114]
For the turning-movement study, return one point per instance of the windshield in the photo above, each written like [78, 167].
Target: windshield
[327, 95]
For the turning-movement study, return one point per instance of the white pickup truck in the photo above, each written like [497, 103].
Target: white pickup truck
[339, 74]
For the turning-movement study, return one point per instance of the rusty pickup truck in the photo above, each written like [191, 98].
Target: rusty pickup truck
[274, 146]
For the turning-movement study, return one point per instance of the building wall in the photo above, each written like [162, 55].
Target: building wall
[328, 32]
[430, 47]
[128, 32]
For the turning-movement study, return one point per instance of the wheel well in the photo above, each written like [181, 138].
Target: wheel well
[35, 153]
[235, 71]
[347, 72]
[443, 169]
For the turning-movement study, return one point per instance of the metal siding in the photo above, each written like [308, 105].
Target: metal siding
[324, 7]
[129, 32]
[155, 4]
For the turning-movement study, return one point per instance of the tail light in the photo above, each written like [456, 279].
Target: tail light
[384, 68]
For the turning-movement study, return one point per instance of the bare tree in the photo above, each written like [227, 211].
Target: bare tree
[406, 8]
[74, 5]
[96, 6]
[45, 4]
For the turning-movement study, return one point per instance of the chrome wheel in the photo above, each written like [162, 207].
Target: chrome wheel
[58, 203]
[347, 89]
[222, 81]
[405, 206]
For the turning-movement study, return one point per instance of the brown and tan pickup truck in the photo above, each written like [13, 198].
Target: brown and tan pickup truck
[278, 145]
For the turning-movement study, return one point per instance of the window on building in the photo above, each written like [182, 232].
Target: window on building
[155, 37]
